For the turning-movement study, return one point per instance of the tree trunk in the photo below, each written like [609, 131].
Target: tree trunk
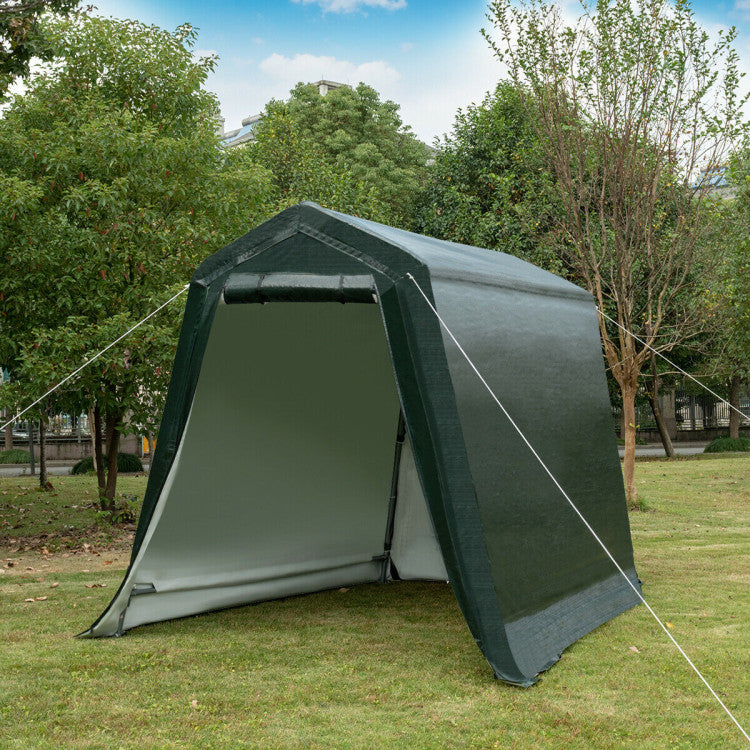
[628, 422]
[734, 400]
[43, 480]
[653, 397]
[8, 432]
[114, 422]
[96, 437]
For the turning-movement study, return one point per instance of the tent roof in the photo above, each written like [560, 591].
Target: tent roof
[443, 259]
[454, 260]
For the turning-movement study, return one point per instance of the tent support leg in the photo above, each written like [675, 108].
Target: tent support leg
[400, 435]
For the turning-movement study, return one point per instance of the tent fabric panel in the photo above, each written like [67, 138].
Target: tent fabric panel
[553, 629]
[543, 360]
[167, 605]
[299, 253]
[434, 430]
[415, 550]
[297, 372]
[299, 453]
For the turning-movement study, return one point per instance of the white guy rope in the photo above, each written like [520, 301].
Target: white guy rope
[573, 505]
[677, 367]
[95, 357]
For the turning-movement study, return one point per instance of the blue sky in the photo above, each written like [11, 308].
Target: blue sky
[427, 55]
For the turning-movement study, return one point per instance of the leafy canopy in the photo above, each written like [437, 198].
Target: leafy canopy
[22, 37]
[490, 184]
[112, 189]
[354, 138]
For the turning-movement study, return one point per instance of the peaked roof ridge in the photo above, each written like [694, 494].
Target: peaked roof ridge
[450, 259]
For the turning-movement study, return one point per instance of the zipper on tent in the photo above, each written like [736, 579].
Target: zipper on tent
[400, 435]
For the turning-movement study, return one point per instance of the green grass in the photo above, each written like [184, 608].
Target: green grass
[394, 666]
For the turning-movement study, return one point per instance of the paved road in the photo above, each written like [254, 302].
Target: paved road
[653, 449]
[53, 469]
[656, 449]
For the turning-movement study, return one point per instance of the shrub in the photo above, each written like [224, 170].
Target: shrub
[14, 456]
[126, 462]
[728, 445]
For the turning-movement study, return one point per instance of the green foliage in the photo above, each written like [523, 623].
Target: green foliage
[126, 462]
[14, 456]
[728, 293]
[22, 36]
[295, 169]
[491, 183]
[728, 445]
[125, 510]
[346, 150]
[112, 190]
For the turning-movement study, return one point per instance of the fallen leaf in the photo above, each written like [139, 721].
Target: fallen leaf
[29, 600]
[670, 626]
[96, 585]
[633, 648]
[108, 562]
[343, 590]
[194, 703]
[41, 598]
[55, 585]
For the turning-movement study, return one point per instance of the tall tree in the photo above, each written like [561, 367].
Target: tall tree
[297, 169]
[631, 101]
[353, 132]
[491, 184]
[112, 189]
[728, 295]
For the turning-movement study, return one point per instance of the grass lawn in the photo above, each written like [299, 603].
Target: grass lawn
[374, 666]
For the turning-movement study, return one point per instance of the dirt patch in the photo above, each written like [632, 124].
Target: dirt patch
[33, 562]
[72, 540]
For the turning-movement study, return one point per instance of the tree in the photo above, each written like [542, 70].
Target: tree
[491, 184]
[22, 37]
[630, 102]
[296, 169]
[728, 296]
[113, 188]
[351, 132]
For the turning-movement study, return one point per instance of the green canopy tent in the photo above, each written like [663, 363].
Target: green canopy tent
[322, 430]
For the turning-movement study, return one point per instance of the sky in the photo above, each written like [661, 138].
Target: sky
[426, 55]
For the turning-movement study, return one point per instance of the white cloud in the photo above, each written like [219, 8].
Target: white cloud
[304, 67]
[349, 6]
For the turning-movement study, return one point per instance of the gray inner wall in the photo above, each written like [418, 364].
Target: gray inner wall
[285, 465]
[415, 550]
